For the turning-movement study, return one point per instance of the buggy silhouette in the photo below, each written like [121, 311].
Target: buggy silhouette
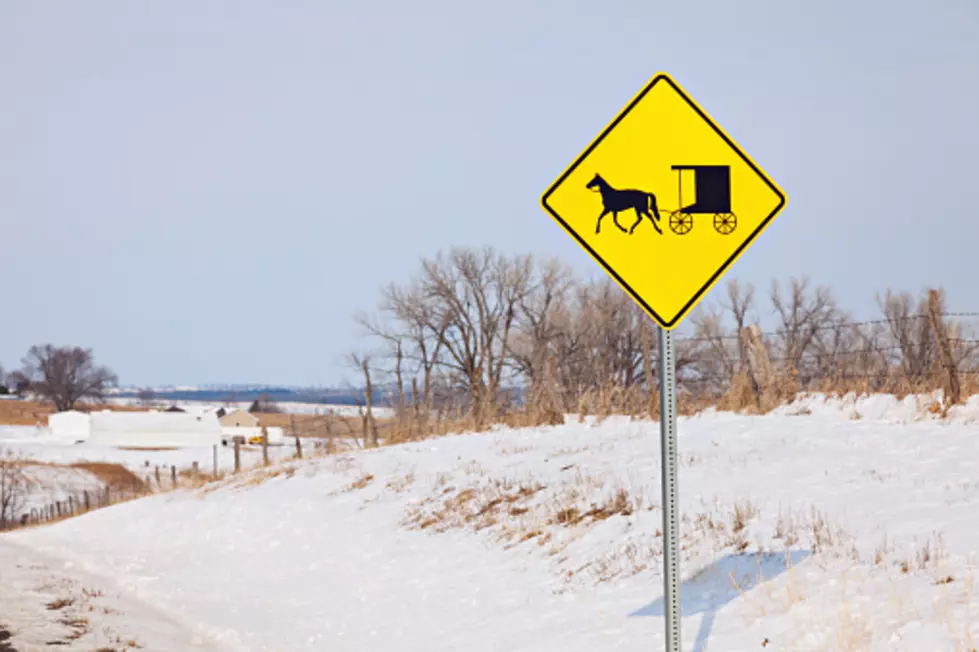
[712, 195]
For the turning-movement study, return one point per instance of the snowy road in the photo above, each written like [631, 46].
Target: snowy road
[46, 602]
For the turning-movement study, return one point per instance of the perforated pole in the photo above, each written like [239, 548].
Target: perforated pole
[671, 529]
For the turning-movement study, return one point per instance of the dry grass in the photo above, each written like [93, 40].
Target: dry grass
[361, 482]
[30, 413]
[744, 511]
[322, 426]
[116, 476]
[401, 483]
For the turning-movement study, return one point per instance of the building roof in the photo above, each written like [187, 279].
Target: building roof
[154, 422]
[239, 415]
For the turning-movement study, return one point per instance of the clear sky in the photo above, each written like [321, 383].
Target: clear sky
[207, 191]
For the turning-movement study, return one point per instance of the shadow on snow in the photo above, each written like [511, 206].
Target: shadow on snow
[713, 586]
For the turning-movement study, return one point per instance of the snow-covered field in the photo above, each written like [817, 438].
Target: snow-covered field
[828, 525]
[36, 444]
[53, 479]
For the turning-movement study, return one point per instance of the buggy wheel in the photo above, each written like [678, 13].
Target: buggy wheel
[725, 223]
[680, 222]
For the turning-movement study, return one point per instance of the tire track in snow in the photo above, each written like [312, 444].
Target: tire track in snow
[50, 604]
[5, 645]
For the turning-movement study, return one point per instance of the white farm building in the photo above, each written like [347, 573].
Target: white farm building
[137, 429]
[70, 426]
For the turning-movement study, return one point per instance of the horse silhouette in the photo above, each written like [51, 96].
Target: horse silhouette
[616, 201]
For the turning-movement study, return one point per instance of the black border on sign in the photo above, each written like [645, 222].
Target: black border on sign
[683, 311]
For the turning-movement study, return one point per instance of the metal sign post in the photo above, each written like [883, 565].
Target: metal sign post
[661, 135]
[671, 534]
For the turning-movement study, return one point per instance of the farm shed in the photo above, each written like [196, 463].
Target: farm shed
[239, 419]
[71, 425]
[154, 429]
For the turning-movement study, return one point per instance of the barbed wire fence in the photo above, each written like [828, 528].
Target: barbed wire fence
[594, 349]
[838, 326]
[924, 351]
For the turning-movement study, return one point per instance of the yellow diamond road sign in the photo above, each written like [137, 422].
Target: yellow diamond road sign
[664, 200]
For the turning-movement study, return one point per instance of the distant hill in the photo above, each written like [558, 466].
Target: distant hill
[220, 394]
[383, 395]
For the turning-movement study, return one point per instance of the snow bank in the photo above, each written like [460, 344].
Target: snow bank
[882, 407]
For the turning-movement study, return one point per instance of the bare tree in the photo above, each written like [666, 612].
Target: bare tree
[363, 363]
[803, 313]
[146, 396]
[264, 404]
[740, 301]
[476, 294]
[614, 342]
[538, 320]
[412, 331]
[65, 375]
[910, 332]
[718, 348]
[473, 325]
[13, 489]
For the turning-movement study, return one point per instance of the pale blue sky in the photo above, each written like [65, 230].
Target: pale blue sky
[207, 191]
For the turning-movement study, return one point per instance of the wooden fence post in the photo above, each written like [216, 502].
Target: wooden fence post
[265, 446]
[237, 455]
[299, 444]
[159, 485]
[952, 388]
[173, 475]
[760, 368]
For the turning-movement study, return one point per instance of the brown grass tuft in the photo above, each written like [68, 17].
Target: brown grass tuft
[361, 482]
[115, 476]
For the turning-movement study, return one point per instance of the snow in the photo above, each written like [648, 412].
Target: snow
[50, 484]
[45, 449]
[49, 603]
[831, 524]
